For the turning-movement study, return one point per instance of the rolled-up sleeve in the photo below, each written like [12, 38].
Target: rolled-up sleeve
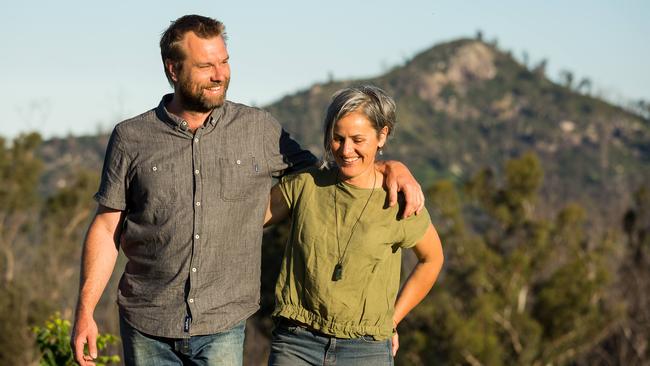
[112, 187]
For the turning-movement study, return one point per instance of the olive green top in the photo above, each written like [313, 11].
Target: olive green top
[362, 302]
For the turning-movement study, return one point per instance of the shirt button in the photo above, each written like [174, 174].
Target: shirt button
[196, 172]
[198, 203]
[193, 269]
[196, 236]
[238, 161]
[196, 139]
[154, 168]
[184, 123]
[191, 301]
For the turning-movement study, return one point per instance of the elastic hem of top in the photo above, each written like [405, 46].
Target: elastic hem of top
[330, 326]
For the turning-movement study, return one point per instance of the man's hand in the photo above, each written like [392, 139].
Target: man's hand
[398, 178]
[97, 262]
[395, 342]
[84, 332]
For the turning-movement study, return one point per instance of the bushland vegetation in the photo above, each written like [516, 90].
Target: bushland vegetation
[519, 286]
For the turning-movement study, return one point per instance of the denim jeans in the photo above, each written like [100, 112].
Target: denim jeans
[215, 349]
[296, 345]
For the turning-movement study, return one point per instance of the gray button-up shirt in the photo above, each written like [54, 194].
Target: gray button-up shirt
[194, 207]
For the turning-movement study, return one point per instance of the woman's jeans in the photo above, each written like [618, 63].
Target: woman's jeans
[224, 348]
[296, 345]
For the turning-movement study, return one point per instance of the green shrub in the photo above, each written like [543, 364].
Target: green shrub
[53, 343]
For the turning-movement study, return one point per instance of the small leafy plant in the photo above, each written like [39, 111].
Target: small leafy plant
[53, 343]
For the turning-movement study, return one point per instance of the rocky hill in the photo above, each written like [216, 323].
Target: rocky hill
[465, 105]
[462, 106]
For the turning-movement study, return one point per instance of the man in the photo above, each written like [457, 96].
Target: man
[183, 192]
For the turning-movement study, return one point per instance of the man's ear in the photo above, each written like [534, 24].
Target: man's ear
[170, 67]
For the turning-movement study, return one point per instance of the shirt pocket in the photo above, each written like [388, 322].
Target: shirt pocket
[156, 186]
[238, 177]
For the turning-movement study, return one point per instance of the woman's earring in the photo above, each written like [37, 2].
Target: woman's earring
[381, 150]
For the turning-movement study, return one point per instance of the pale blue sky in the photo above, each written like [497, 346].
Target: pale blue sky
[72, 67]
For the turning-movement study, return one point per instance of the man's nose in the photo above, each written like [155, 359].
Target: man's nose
[218, 74]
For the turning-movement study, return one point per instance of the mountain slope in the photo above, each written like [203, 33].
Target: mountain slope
[462, 106]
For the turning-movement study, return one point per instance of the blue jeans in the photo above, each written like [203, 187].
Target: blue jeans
[216, 349]
[296, 345]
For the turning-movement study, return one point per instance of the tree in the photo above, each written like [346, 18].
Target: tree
[540, 69]
[19, 172]
[64, 217]
[525, 58]
[640, 107]
[39, 246]
[584, 86]
[516, 289]
[566, 78]
[628, 344]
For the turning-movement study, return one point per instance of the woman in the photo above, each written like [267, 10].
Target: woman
[335, 295]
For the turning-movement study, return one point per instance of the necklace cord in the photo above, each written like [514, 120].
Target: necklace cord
[336, 220]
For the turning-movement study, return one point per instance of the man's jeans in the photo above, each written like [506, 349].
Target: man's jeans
[295, 345]
[216, 349]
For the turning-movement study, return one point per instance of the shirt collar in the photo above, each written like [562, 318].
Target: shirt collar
[178, 123]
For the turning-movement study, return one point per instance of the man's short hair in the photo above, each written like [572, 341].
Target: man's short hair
[170, 48]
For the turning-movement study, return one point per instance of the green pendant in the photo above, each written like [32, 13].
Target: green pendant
[338, 272]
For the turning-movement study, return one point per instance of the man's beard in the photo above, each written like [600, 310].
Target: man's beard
[193, 99]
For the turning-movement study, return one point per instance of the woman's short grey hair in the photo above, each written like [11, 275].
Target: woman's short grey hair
[370, 100]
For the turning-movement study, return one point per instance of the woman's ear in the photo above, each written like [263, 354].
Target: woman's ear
[383, 135]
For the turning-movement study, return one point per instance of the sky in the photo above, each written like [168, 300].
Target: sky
[79, 67]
